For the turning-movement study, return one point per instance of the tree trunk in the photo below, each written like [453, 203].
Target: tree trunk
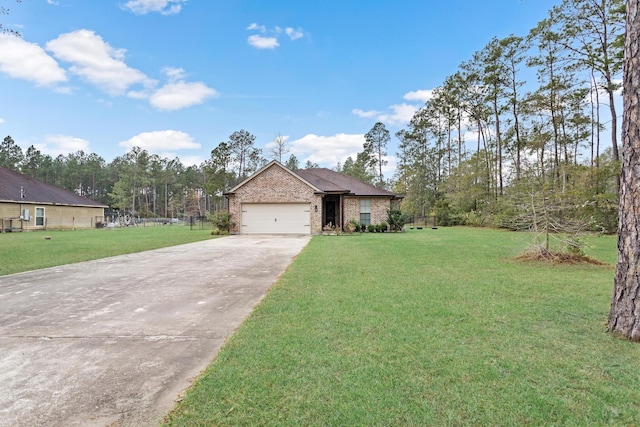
[624, 317]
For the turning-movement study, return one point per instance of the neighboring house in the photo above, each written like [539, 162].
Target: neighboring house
[28, 204]
[278, 200]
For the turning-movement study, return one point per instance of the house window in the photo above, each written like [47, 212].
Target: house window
[365, 211]
[40, 217]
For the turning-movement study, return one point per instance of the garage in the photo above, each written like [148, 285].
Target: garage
[275, 218]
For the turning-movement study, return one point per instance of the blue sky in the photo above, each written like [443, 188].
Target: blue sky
[177, 77]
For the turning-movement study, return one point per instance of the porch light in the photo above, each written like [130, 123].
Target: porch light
[316, 208]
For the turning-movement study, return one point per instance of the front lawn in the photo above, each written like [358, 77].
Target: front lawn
[39, 249]
[430, 327]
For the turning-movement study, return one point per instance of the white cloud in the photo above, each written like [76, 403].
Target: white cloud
[28, 61]
[54, 3]
[365, 114]
[326, 150]
[56, 145]
[271, 42]
[293, 33]
[164, 7]
[260, 42]
[402, 114]
[174, 74]
[97, 62]
[178, 95]
[470, 136]
[161, 140]
[255, 26]
[422, 95]
[1, 120]
[399, 114]
[100, 64]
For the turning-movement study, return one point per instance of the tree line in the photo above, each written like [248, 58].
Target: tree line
[538, 139]
[145, 184]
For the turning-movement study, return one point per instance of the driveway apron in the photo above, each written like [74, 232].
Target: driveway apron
[114, 342]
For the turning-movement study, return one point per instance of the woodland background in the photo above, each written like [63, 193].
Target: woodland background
[514, 138]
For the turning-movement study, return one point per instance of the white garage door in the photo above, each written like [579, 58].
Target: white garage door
[277, 218]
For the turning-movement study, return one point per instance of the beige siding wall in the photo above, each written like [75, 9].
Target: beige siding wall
[275, 185]
[55, 217]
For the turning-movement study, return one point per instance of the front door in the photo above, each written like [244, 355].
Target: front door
[330, 212]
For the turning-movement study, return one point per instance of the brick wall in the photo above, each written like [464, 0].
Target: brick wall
[276, 185]
[351, 207]
[379, 207]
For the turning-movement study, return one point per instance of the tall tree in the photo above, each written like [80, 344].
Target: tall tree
[452, 91]
[624, 316]
[375, 145]
[592, 31]
[311, 165]
[33, 163]
[292, 163]
[421, 162]
[478, 113]
[220, 170]
[494, 79]
[513, 48]
[359, 168]
[556, 81]
[246, 156]
[11, 155]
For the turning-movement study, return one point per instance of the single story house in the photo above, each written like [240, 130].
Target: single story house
[28, 204]
[281, 201]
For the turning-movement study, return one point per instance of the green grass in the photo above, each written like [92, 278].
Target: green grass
[30, 251]
[431, 327]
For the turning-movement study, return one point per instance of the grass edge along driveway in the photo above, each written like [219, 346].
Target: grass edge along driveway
[430, 327]
[41, 249]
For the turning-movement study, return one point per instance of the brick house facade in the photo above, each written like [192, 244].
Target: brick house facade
[278, 200]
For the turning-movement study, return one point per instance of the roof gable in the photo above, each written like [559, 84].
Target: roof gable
[277, 164]
[19, 188]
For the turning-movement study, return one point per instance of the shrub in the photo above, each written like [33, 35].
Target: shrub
[371, 228]
[396, 219]
[473, 219]
[222, 220]
[351, 227]
[383, 227]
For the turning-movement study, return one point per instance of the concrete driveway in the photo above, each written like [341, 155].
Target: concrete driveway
[114, 342]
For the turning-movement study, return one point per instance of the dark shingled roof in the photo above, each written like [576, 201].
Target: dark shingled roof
[19, 188]
[334, 182]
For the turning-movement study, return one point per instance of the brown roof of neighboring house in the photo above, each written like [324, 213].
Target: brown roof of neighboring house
[19, 188]
[334, 182]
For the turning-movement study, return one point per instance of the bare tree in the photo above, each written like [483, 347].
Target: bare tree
[278, 148]
[624, 316]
